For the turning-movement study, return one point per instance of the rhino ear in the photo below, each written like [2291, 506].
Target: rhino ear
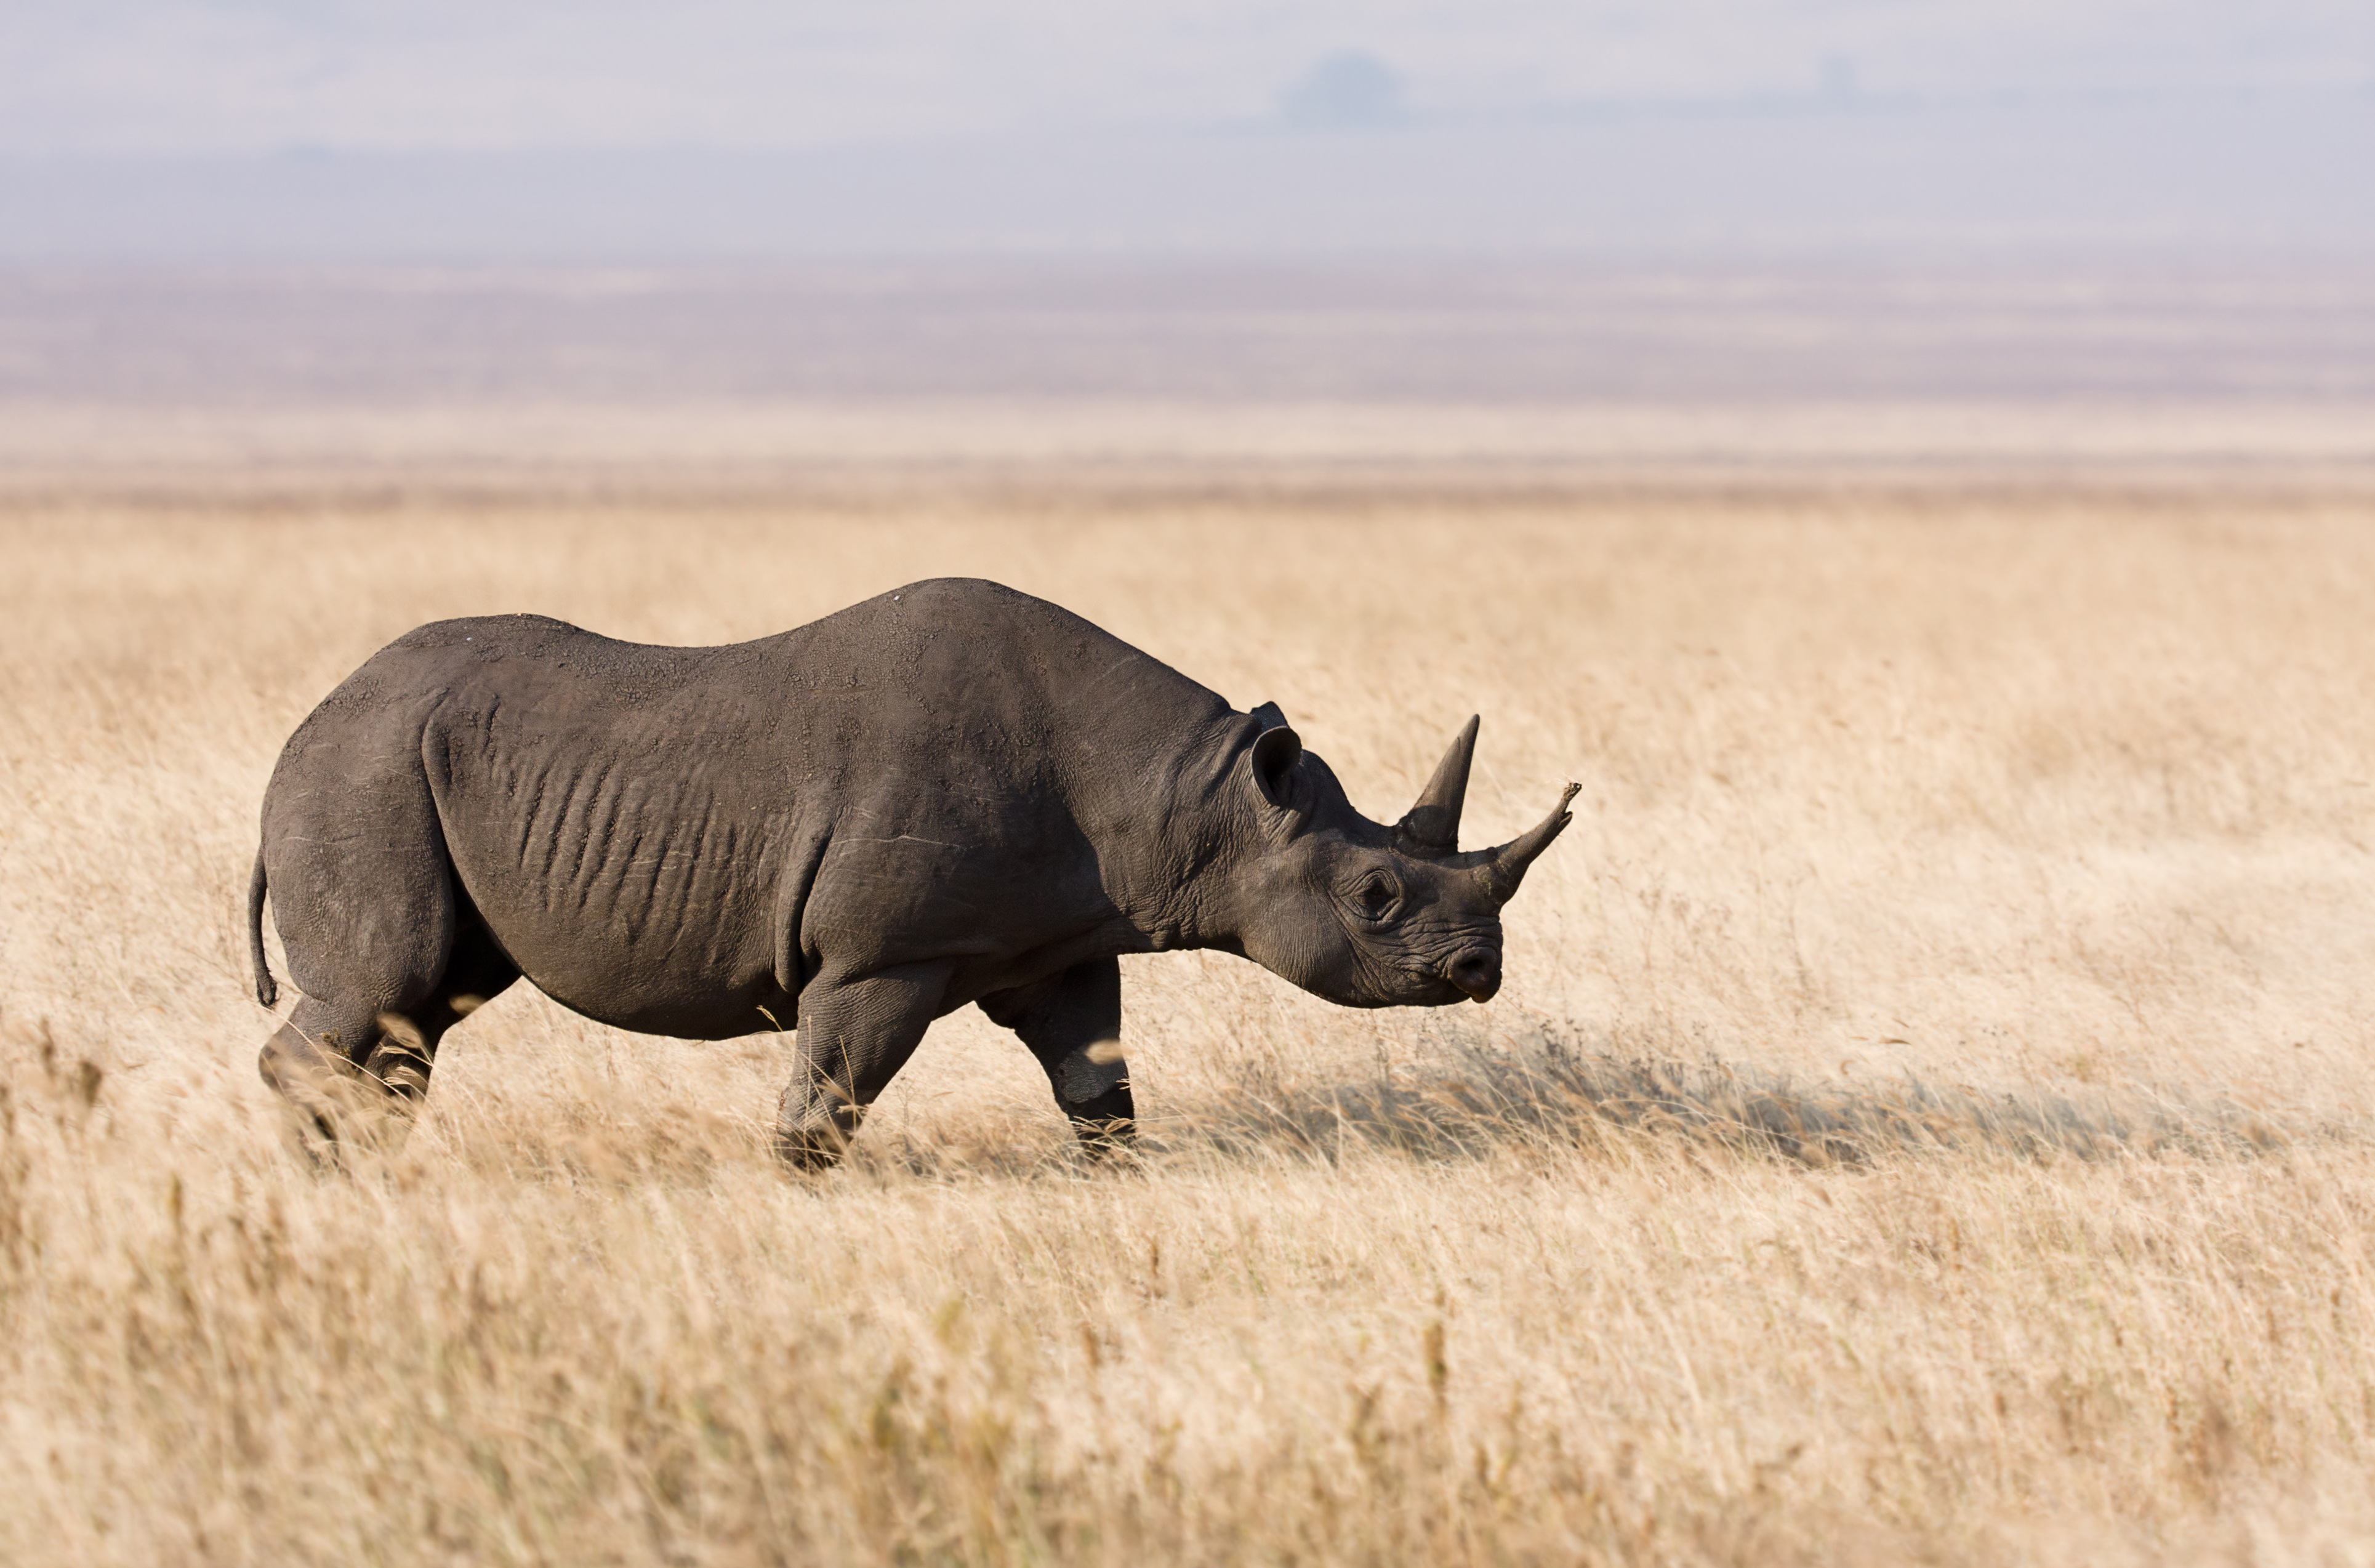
[1275, 752]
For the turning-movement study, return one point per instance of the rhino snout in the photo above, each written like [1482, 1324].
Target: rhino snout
[1477, 972]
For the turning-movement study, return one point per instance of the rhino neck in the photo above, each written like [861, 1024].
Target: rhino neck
[1176, 833]
[1147, 791]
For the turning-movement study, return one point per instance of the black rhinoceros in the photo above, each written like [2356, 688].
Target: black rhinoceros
[953, 793]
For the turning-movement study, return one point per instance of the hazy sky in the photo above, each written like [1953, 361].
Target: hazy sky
[375, 129]
[230, 75]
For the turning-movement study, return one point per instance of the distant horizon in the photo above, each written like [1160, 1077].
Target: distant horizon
[1221, 335]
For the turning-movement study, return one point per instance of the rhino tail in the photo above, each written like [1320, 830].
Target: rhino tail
[266, 991]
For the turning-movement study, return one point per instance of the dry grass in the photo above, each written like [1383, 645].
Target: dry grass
[1925, 1121]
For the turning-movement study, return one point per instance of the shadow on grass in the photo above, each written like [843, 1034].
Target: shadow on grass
[1548, 1087]
[1474, 1095]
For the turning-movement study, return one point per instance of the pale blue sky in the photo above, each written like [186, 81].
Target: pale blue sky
[230, 75]
[578, 129]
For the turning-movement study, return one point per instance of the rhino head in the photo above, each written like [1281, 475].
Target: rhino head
[1362, 913]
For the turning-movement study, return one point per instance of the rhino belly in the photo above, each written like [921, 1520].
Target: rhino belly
[634, 900]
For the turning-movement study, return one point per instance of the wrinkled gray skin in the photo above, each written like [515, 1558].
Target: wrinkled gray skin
[950, 794]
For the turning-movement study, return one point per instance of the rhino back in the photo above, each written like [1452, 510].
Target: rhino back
[671, 839]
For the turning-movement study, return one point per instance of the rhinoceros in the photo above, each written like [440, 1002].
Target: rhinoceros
[951, 793]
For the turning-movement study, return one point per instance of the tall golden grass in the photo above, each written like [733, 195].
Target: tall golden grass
[1925, 1120]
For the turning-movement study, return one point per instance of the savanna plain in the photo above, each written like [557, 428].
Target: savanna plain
[1926, 1120]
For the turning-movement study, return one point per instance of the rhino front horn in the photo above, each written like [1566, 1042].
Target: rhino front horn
[1432, 827]
[1504, 868]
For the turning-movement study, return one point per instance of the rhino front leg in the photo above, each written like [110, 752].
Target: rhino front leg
[855, 1035]
[1072, 1023]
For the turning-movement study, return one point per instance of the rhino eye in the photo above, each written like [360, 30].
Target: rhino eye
[1376, 897]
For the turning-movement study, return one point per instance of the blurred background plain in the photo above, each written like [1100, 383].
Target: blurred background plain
[348, 202]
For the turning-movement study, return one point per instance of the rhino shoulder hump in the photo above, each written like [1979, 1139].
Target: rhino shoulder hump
[470, 630]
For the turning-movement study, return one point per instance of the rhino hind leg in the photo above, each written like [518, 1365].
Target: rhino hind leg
[475, 973]
[354, 1063]
[1072, 1022]
[308, 1063]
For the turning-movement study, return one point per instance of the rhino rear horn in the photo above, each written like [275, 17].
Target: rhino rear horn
[1502, 869]
[1432, 827]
